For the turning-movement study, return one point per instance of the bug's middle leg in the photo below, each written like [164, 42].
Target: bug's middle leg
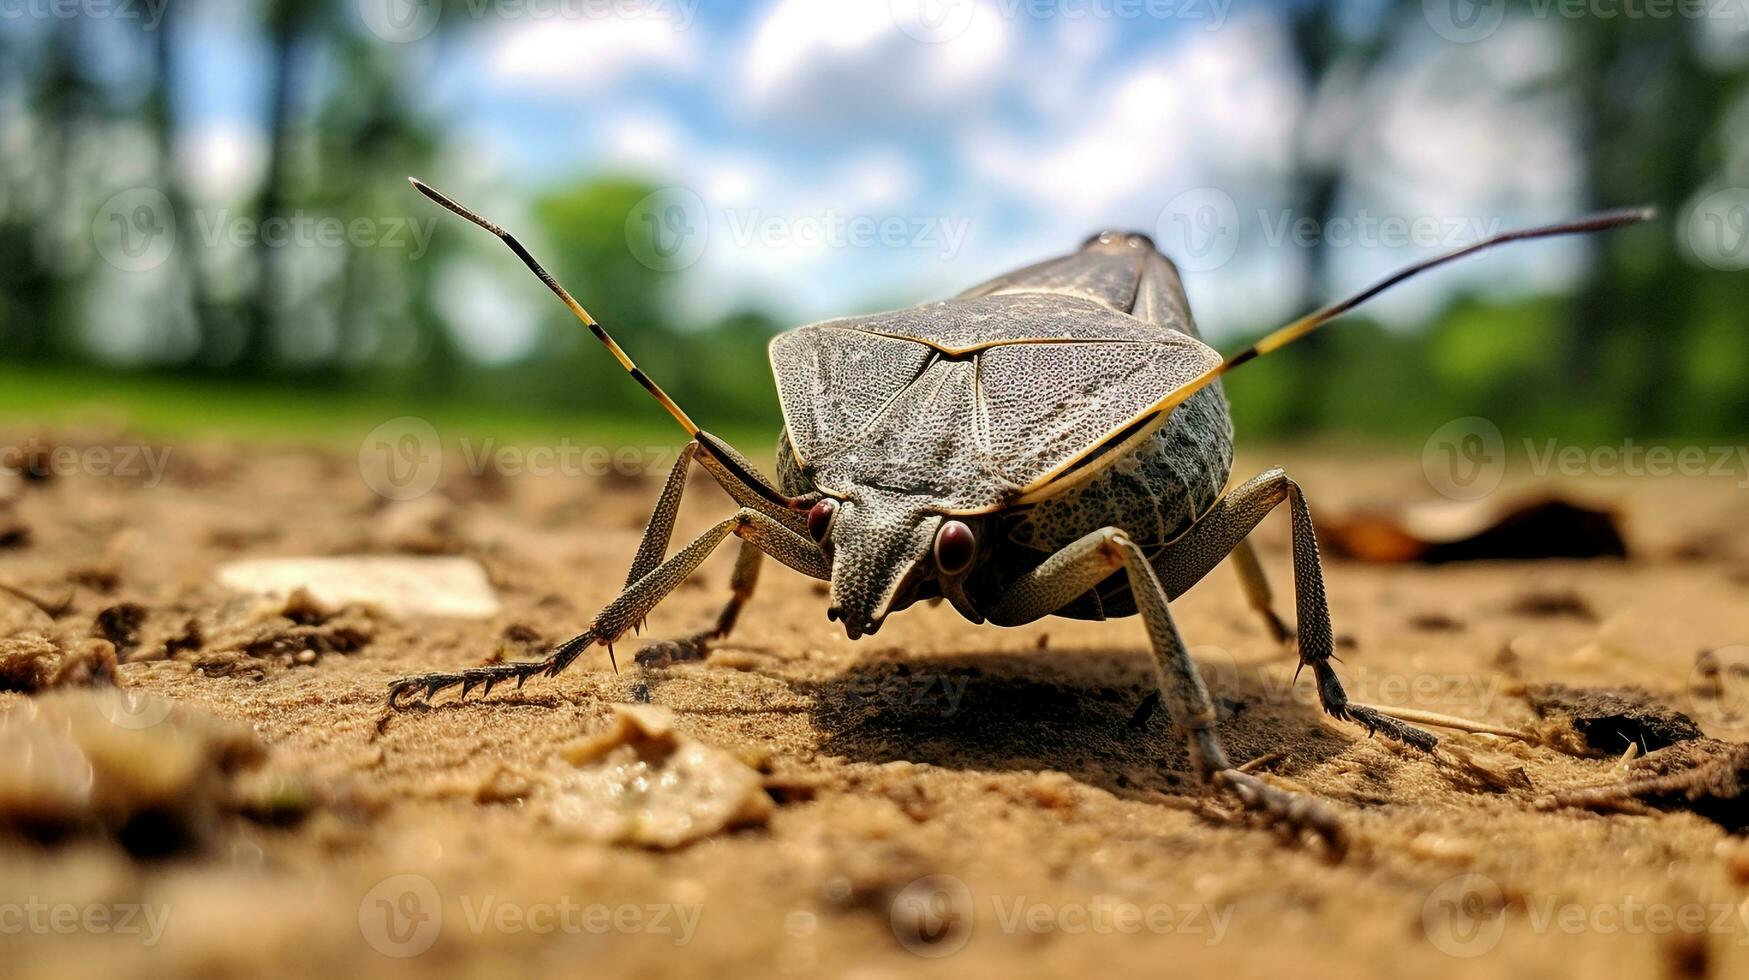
[1185, 561]
[697, 646]
[1088, 561]
[1257, 592]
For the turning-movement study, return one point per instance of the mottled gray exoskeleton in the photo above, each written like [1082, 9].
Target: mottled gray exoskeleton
[1054, 442]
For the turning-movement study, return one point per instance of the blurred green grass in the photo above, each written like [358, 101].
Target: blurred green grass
[73, 398]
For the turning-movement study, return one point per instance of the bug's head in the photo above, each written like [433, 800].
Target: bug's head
[886, 549]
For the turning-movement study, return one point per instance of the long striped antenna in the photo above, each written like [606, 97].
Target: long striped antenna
[1312, 321]
[576, 308]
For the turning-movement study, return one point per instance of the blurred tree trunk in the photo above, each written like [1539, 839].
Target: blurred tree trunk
[37, 322]
[1319, 46]
[160, 117]
[372, 138]
[1647, 108]
[287, 21]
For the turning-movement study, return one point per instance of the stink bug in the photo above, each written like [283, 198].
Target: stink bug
[1054, 442]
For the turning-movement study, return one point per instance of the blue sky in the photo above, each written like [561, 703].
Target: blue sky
[1002, 133]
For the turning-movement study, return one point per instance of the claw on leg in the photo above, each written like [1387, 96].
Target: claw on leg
[1289, 811]
[1337, 705]
[666, 653]
[489, 675]
[1292, 813]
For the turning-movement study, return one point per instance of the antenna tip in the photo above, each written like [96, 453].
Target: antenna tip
[430, 192]
[1629, 216]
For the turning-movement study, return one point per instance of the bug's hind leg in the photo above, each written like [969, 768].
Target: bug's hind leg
[1257, 591]
[1084, 564]
[777, 539]
[1220, 531]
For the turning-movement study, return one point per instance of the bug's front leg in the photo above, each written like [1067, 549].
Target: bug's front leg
[751, 526]
[1085, 563]
[1215, 535]
[654, 546]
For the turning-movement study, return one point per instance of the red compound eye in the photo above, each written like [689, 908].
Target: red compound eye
[820, 518]
[954, 547]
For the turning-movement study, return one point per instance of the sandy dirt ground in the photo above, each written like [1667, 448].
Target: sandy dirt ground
[945, 798]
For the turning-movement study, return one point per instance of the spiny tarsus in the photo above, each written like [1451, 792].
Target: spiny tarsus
[490, 675]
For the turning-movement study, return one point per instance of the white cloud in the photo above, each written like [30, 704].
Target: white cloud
[1455, 138]
[850, 112]
[1201, 109]
[763, 248]
[584, 56]
[492, 318]
[1206, 104]
[1073, 48]
[222, 160]
[645, 138]
[856, 61]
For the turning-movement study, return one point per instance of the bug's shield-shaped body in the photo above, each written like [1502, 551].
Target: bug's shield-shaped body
[1049, 443]
[1016, 405]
